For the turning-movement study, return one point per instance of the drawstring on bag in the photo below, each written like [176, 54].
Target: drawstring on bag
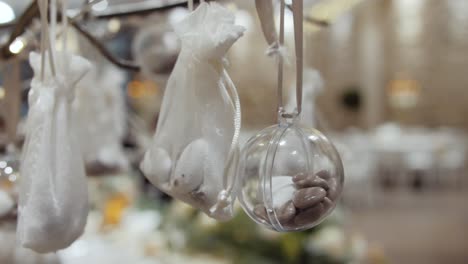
[225, 196]
[46, 42]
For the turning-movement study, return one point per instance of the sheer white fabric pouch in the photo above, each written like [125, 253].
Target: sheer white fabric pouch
[53, 204]
[194, 151]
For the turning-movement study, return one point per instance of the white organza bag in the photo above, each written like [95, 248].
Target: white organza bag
[53, 203]
[194, 151]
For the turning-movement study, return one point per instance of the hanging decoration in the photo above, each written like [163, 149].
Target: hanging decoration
[194, 151]
[290, 176]
[99, 118]
[53, 202]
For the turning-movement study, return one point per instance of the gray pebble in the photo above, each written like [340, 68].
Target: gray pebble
[310, 215]
[286, 212]
[309, 197]
[260, 212]
[324, 174]
[299, 177]
[305, 181]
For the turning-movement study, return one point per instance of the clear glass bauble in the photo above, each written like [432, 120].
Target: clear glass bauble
[156, 49]
[290, 177]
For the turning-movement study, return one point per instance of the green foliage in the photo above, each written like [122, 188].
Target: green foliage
[244, 241]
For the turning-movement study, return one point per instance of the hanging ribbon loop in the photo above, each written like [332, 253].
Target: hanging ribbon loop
[298, 16]
[297, 7]
[281, 60]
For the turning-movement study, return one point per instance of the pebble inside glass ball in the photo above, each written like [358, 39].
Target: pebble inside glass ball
[290, 177]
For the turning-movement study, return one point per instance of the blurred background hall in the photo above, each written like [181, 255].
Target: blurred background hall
[386, 80]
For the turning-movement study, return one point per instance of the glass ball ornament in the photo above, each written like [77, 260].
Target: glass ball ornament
[290, 177]
[156, 49]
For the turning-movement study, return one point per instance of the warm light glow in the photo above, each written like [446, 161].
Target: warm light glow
[140, 89]
[17, 46]
[113, 25]
[114, 209]
[6, 13]
[403, 93]
[403, 86]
